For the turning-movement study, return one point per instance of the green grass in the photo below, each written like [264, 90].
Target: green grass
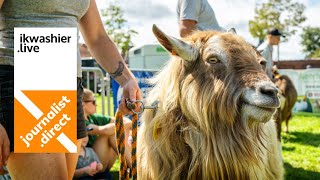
[115, 169]
[99, 105]
[300, 149]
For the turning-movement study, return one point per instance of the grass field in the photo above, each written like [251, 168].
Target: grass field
[300, 150]
[99, 105]
[301, 147]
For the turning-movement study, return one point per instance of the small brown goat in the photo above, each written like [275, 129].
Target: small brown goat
[289, 93]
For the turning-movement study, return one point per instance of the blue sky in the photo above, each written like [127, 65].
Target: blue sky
[141, 14]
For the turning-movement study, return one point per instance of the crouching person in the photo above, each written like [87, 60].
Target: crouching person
[101, 130]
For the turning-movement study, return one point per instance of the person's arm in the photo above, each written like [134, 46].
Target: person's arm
[84, 171]
[186, 27]
[108, 129]
[107, 54]
[188, 14]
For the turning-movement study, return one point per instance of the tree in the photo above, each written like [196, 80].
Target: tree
[310, 39]
[115, 25]
[282, 14]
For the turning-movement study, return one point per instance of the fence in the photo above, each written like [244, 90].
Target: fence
[93, 78]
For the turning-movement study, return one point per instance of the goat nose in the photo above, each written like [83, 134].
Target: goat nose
[269, 90]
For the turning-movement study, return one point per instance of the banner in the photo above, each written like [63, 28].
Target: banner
[45, 90]
[307, 83]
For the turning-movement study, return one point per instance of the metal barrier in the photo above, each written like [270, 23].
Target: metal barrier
[140, 74]
[105, 85]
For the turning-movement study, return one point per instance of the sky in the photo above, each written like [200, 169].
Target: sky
[142, 14]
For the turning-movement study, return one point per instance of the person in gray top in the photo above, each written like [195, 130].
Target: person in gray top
[84, 15]
[88, 161]
[196, 15]
[266, 49]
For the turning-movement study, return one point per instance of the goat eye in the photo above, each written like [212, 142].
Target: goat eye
[213, 60]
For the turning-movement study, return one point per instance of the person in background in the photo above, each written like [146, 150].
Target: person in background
[82, 14]
[196, 15]
[266, 48]
[88, 162]
[101, 130]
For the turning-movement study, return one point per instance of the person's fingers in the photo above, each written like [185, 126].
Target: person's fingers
[138, 104]
[92, 172]
[132, 94]
[139, 96]
[99, 167]
[91, 126]
[123, 107]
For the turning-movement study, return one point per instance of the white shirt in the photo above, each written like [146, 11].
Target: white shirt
[266, 52]
[200, 11]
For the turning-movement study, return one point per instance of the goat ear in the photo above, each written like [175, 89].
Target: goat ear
[175, 46]
[232, 30]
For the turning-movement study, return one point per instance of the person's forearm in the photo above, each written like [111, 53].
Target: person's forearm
[186, 27]
[108, 56]
[102, 47]
[108, 129]
[185, 31]
[80, 172]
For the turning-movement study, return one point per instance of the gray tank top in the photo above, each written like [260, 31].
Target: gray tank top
[37, 13]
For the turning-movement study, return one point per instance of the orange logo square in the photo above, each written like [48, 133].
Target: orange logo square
[45, 121]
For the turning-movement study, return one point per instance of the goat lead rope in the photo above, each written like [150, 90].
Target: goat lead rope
[135, 118]
[124, 172]
[120, 135]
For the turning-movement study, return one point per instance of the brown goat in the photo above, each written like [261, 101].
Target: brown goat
[289, 92]
[214, 116]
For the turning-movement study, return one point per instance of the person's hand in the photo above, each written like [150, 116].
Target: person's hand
[4, 149]
[90, 171]
[131, 91]
[99, 167]
[94, 129]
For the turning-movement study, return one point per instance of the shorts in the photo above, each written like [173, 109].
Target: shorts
[7, 99]
[81, 125]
